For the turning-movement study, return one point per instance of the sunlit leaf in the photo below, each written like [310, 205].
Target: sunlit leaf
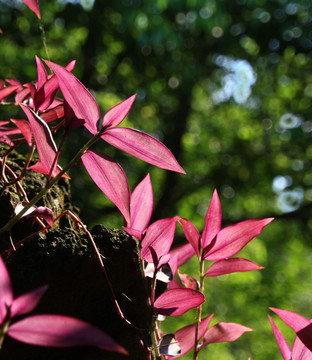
[233, 238]
[212, 221]
[159, 236]
[33, 6]
[142, 146]
[141, 204]
[44, 141]
[8, 90]
[231, 265]
[110, 178]
[224, 332]
[176, 302]
[77, 96]
[186, 336]
[117, 114]
[281, 342]
[191, 233]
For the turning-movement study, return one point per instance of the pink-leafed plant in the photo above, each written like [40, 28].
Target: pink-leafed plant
[216, 248]
[215, 244]
[302, 346]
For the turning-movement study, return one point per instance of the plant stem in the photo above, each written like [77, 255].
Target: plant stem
[200, 307]
[48, 186]
[44, 39]
[3, 330]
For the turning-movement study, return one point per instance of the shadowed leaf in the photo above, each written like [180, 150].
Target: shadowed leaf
[233, 238]
[26, 303]
[61, 331]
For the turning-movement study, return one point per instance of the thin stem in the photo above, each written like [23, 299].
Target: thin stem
[57, 155]
[9, 103]
[24, 170]
[44, 39]
[3, 330]
[200, 307]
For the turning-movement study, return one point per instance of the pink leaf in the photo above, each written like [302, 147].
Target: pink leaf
[45, 144]
[293, 320]
[61, 331]
[231, 265]
[133, 232]
[6, 140]
[4, 131]
[174, 284]
[26, 303]
[71, 121]
[189, 281]
[163, 260]
[141, 204]
[186, 336]
[176, 302]
[42, 73]
[53, 114]
[212, 220]
[300, 351]
[224, 332]
[142, 146]
[25, 129]
[185, 252]
[32, 90]
[35, 211]
[281, 342]
[159, 236]
[44, 213]
[33, 6]
[40, 168]
[191, 233]
[6, 293]
[77, 96]
[173, 263]
[118, 113]
[305, 335]
[22, 95]
[12, 82]
[110, 178]
[45, 96]
[232, 239]
[8, 90]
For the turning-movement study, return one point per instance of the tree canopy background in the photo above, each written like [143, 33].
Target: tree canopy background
[226, 85]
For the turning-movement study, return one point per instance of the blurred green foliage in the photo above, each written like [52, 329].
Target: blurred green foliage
[251, 141]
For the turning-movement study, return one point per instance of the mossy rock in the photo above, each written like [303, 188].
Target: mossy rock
[57, 199]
